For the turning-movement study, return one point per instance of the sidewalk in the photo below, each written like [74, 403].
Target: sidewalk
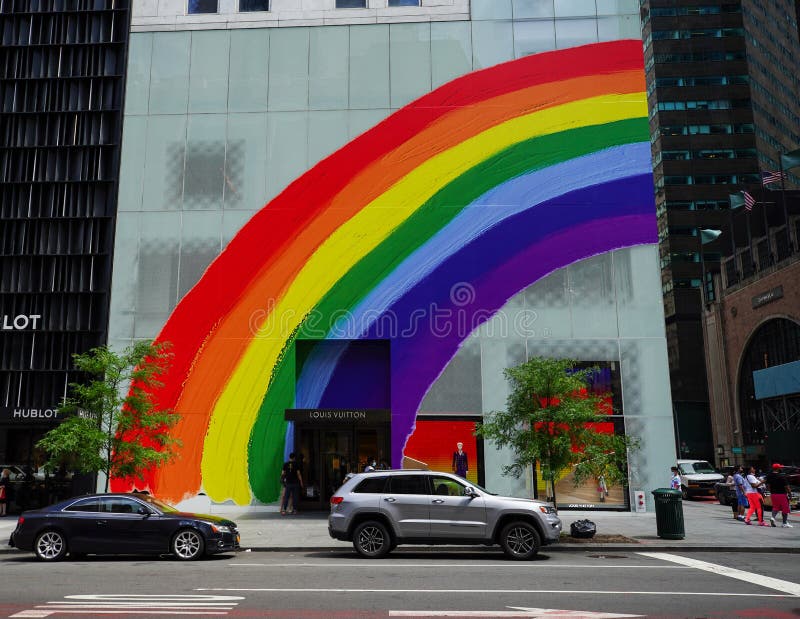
[709, 527]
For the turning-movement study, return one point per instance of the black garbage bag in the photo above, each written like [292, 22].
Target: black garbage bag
[582, 528]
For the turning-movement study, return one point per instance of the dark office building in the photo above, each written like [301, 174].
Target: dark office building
[62, 65]
[723, 93]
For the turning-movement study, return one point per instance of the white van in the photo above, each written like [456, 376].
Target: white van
[698, 477]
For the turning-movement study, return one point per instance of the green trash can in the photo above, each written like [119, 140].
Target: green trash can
[669, 513]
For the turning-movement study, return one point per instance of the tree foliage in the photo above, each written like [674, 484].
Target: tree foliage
[112, 424]
[551, 418]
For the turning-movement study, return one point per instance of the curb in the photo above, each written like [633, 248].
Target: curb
[557, 548]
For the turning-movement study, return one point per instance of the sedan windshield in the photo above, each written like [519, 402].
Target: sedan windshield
[697, 467]
[159, 505]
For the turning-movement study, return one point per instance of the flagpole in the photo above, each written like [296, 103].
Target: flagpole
[749, 241]
[785, 209]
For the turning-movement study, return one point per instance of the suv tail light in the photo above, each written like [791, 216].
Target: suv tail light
[20, 521]
[335, 500]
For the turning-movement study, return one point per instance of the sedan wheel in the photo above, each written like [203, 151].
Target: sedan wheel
[50, 546]
[188, 545]
[371, 540]
[520, 540]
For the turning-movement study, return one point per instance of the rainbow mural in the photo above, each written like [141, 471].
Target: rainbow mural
[457, 201]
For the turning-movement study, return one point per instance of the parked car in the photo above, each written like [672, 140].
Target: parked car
[16, 472]
[726, 495]
[121, 524]
[379, 510]
[698, 477]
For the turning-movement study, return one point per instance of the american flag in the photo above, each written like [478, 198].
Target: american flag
[749, 201]
[768, 177]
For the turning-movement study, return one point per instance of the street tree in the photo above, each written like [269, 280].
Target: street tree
[112, 424]
[552, 418]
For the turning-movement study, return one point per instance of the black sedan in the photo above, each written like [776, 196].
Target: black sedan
[121, 524]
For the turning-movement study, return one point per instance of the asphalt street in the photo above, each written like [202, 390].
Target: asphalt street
[410, 583]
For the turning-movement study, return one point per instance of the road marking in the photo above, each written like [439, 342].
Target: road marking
[478, 566]
[518, 611]
[134, 604]
[484, 591]
[757, 579]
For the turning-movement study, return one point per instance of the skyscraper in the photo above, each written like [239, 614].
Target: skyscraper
[62, 66]
[723, 97]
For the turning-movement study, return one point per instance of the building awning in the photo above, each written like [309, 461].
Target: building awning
[777, 381]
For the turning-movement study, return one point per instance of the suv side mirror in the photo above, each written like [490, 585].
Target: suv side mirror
[470, 492]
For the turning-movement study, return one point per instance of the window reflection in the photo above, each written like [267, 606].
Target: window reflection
[202, 6]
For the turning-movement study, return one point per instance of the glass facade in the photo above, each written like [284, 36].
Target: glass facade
[219, 122]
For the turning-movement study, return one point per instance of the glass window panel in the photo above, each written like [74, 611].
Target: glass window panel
[327, 134]
[123, 289]
[248, 70]
[169, 73]
[531, 37]
[245, 182]
[208, 74]
[369, 66]
[164, 163]
[620, 27]
[497, 354]
[525, 9]
[451, 51]
[618, 7]
[593, 299]
[548, 300]
[638, 289]
[232, 222]
[458, 389]
[157, 278]
[253, 5]
[205, 162]
[403, 2]
[197, 7]
[408, 484]
[491, 9]
[137, 92]
[327, 87]
[200, 244]
[575, 8]
[351, 4]
[287, 149]
[288, 69]
[492, 43]
[362, 120]
[134, 148]
[410, 62]
[574, 32]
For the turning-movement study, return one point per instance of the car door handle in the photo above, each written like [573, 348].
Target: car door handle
[438, 501]
[101, 522]
[390, 499]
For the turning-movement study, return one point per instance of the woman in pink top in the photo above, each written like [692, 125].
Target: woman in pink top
[754, 498]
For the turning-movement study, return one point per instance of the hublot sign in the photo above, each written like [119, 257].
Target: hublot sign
[29, 415]
[326, 416]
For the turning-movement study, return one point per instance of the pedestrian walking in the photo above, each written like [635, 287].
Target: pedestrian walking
[740, 504]
[779, 494]
[292, 479]
[675, 482]
[602, 488]
[5, 489]
[754, 498]
[460, 461]
[742, 488]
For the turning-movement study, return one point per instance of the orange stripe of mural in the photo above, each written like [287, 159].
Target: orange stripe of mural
[225, 345]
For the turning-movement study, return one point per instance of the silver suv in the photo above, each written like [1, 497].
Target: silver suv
[379, 510]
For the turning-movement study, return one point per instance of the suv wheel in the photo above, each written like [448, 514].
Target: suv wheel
[520, 540]
[371, 540]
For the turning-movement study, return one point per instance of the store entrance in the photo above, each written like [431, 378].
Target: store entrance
[328, 452]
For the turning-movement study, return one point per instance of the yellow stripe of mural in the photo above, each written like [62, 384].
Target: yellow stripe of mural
[224, 464]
